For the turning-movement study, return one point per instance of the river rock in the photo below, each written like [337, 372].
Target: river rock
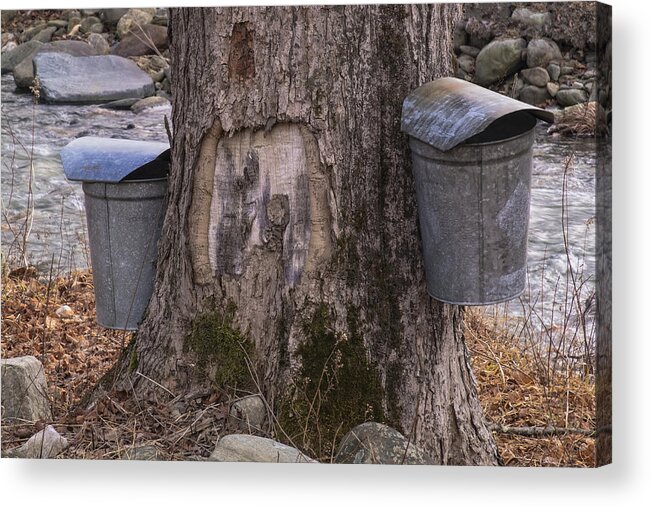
[149, 103]
[571, 96]
[554, 71]
[459, 36]
[90, 79]
[374, 443]
[24, 390]
[99, 44]
[24, 71]
[540, 52]
[59, 23]
[466, 63]
[87, 23]
[142, 40]
[122, 104]
[132, 19]
[45, 35]
[552, 88]
[112, 16]
[248, 413]
[536, 76]
[256, 449]
[161, 17]
[13, 57]
[45, 444]
[498, 59]
[531, 18]
[469, 50]
[534, 95]
[31, 32]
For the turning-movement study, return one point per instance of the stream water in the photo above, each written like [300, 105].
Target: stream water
[33, 135]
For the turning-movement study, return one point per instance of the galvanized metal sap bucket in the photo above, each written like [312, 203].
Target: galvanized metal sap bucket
[124, 183]
[472, 154]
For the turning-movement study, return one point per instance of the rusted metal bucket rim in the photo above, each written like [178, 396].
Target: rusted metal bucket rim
[481, 303]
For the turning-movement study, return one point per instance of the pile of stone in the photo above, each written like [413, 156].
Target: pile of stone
[508, 48]
[90, 56]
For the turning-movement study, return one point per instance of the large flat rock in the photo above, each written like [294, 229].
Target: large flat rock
[256, 449]
[90, 79]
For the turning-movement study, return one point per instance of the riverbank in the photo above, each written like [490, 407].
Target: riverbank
[516, 390]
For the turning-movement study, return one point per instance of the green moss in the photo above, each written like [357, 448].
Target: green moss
[335, 389]
[221, 350]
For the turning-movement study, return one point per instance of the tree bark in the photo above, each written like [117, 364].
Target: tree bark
[292, 221]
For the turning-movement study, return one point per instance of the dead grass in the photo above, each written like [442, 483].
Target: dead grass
[516, 390]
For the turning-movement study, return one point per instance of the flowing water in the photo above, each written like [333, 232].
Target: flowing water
[33, 135]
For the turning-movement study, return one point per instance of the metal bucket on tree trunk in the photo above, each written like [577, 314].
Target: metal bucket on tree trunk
[124, 183]
[472, 155]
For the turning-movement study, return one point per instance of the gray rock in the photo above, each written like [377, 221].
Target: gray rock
[73, 14]
[142, 40]
[554, 71]
[459, 36]
[531, 18]
[467, 63]
[120, 104]
[89, 12]
[158, 76]
[469, 50]
[143, 453]
[30, 33]
[90, 79]
[13, 57]
[248, 413]
[132, 19]
[24, 71]
[534, 95]
[99, 43]
[161, 17]
[24, 390]
[536, 76]
[374, 443]
[498, 59]
[552, 88]
[112, 16]
[9, 46]
[149, 103]
[566, 70]
[571, 96]
[45, 35]
[540, 52]
[59, 23]
[96, 28]
[87, 23]
[46, 444]
[256, 449]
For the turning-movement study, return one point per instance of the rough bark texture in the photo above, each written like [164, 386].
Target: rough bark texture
[292, 204]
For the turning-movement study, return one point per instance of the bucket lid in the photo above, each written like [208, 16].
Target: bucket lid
[448, 111]
[109, 160]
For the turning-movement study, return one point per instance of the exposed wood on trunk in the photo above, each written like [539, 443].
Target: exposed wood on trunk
[312, 207]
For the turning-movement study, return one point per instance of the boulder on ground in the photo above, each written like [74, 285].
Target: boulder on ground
[375, 443]
[541, 52]
[248, 413]
[536, 76]
[99, 43]
[498, 59]
[256, 449]
[571, 96]
[46, 444]
[142, 40]
[24, 71]
[534, 95]
[14, 56]
[90, 79]
[132, 19]
[45, 35]
[24, 390]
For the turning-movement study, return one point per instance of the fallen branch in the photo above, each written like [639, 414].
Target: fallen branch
[539, 431]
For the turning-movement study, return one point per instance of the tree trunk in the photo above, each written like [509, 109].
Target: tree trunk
[291, 236]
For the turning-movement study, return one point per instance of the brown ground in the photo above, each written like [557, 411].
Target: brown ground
[515, 388]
